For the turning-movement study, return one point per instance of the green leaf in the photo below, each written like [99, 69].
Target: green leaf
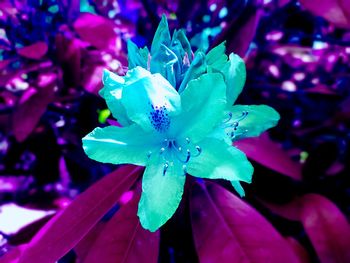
[162, 36]
[220, 161]
[259, 119]
[161, 193]
[111, 92]
[203, 103]
[119, 145]
[151, 95]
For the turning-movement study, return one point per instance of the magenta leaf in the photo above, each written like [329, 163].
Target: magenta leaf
[34, 51]
[69, 55]
[268, 153]
[290, 210]
[327, 228]
[13, 255]
[70, 225]
[4, 63]
[335, 11]
[240, 35]
[299, 250]
[27, 115]
[226, 229]
[124, 240]
[84, 245]
[96, 30]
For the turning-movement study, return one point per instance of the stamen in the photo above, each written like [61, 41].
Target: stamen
[171, 149]
[165, 168]
[233, 126]
[229, 117]
[199, 151]
[188, 156]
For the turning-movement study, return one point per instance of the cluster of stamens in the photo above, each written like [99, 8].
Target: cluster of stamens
[183, 153]
[231, 126]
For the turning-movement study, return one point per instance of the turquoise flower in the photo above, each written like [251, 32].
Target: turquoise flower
[177, 116]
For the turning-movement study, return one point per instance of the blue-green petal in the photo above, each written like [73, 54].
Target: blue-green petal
[136, 56]
[235, 77]
[216, 58]
[161, 193]
[180, 36]
[162, 36]
[238, 188]
[196, 69]
[119, 145]
[220, 161]
[150, 101]
[203, 103]
[252, 120]
[111, 92]
[165, 62]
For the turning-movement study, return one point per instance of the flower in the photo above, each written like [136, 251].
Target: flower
[177, 116]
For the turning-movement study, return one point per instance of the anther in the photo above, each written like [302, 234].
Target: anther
[188, 156]
[165, 168]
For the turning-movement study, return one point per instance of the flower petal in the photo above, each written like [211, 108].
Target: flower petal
[180, 36]
[196, 69]
[239, 189]
[216, 58]
[203, 102]
[111, 92]
[161, 193]
[258, 119]
[136, 56]
[235, 76]
[150, 101]
[118, 145]
[162, 35]
[165, 62]
[220, 161]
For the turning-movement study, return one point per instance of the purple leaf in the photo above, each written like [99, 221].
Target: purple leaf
[84, 245]
[69, 55]
[299, 250]
[335, 11]
[34, 51]
[69, 226]
[96, 30]
[27, 115]
[226, 229]
[268, 153]
[327, 228]
[124, 240]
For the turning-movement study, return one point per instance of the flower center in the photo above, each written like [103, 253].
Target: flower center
[171, 150]
[231, 125]
[159, 118]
